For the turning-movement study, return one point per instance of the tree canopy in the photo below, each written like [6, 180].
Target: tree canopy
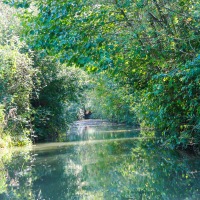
[143, 55]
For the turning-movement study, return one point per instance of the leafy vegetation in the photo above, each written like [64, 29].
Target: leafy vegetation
[61, 89]
[16, 83]
[143, 57]
[35, 90]
[111, 101]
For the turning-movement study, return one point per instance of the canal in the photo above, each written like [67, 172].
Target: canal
[100, 160]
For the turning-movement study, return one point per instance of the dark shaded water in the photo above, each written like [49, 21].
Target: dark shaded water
[100, 161]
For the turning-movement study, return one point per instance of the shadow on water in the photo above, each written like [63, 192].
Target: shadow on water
[117, 166]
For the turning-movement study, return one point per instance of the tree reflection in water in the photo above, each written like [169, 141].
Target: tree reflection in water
[127, 169]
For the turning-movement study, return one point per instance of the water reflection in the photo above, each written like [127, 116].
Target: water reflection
[107, 169]
[99, 130]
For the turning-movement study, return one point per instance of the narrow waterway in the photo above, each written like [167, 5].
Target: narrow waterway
[99, 160]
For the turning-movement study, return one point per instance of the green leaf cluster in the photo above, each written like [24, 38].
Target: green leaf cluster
[36, 90]
[146, 47]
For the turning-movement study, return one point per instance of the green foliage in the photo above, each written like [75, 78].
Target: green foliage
[1, 119]
[171, 104]
[142, 46]
[9, 25]
[60, 86]
[16, 83]
[110, 101]
[104, 34]
[16, 88]
[36, 91]
[3, 185]
[18, 3]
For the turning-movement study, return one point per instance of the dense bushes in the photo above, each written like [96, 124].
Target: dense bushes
[36, 91]
[16, 83]
[147, 49]
[145, 52]
[60, 87]
[110, 101]
[16, 87]
[171, 104]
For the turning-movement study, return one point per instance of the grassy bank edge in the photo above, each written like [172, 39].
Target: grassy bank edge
[8, 142]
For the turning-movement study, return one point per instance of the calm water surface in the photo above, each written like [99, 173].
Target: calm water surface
[100, 160]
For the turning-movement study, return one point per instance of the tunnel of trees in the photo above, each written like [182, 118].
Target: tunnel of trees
[136, 62]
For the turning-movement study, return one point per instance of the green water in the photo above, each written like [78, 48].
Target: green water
[100, 161]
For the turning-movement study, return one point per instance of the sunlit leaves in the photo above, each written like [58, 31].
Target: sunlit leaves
[141, 45]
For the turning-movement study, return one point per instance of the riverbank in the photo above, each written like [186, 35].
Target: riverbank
[7, 142]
